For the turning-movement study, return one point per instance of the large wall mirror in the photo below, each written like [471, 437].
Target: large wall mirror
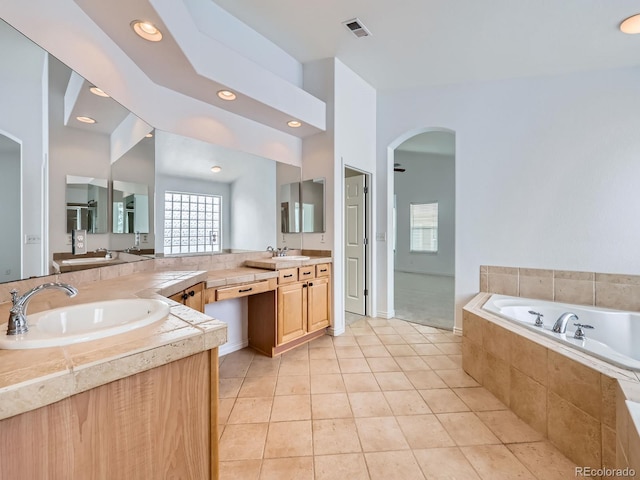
[302, 206]
[39, 119]
[87, 202]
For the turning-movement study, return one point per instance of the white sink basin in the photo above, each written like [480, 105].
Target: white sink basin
[82, 261]
[85, 322]
[294, 257]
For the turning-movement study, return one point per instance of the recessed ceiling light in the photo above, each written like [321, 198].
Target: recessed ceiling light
[85, 119]
[149, 135]
[146, 30]
[631, 25]
[294, 123]
[216, 169]
[98, 91]
[227, 95]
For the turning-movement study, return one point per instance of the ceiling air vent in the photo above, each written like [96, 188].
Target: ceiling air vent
[356, 27]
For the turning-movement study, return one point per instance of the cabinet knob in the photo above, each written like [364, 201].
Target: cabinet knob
[185, 296]
[311, 284]
[192, 293]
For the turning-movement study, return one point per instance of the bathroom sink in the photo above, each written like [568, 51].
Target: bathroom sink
[85, 322]
[293, 257]
[82, 261]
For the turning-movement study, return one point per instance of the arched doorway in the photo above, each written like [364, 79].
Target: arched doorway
[424, 228]
[10, 215]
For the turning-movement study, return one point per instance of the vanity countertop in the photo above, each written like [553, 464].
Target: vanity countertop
[30, 379]
[277, 263]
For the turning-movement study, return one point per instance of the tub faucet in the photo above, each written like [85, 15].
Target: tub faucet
[561, 324]
[18, 314]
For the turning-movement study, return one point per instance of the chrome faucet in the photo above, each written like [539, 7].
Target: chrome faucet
[18, 314]
[561, 324]
[278, 252]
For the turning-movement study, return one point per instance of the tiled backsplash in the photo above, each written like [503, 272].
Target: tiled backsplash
[606, 290]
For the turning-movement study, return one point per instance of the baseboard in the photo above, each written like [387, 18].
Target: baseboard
[387, 315]
[232, 347]
[457, 331]
[335, 332]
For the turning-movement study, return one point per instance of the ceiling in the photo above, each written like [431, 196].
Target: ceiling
[418, 43]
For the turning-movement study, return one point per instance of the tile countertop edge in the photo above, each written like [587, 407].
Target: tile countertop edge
[192, 338]
[276, 263]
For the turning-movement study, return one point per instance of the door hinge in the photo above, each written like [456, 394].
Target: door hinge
[366, 292]
[366, 190]
[366, 241]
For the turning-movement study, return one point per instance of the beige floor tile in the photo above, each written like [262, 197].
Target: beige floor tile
[251, 410]
[330, 405]
[244, 469]
[425, 380]
[508, 427]
[327, 384]
[445, 464]
[220, 431]
[297, 468]
[289, 439]
[392, 339]
[426, 329]
[322, 353]
[344, 341]
[399, 465]
[229, 387]
[457, 359]
[440, 362]
[349, 351]
[424, 431]
[369, 404]
[437, 337]
[368, 340]
[456, 378]
[375, 351]
[426, 349]
[467, 429]
[341, 467]
[264, 367]
[360, 382]
[378, 322]
[291, 407]
[258, 387]
[415, 338]
[383, 365]
[496, 462]
[336, 435]
[325, 341]
[294, 367]
[406, 402]
[293, 385]
[400, 350]
[379, 434]
[243, 442]
[405, 329]
[479, 399]
[353, 365]
[393, 381]
[230, 369]
[225, 405]
[322, 366]
[443, 400]
[362, 331]
[412, 363]
[297, 354]
[383, 330]
[544, 460]
[450, 348]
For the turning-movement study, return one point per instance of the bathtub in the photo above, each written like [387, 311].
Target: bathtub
[615, 337]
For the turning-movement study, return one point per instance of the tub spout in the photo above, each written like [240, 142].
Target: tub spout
[561, 324]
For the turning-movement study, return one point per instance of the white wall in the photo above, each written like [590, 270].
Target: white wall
[428, 178]
[546, 171]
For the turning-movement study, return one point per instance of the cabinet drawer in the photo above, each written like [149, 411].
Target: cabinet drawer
[323, 270]
[237, 291]
[287, 275]
[306, 273]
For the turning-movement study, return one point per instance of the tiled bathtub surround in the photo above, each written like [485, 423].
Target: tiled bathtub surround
[573, 399]
[618, 291]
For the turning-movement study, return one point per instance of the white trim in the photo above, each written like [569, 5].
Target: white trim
[387, 315]
[228, 348]
[457, 331]
[335, 332]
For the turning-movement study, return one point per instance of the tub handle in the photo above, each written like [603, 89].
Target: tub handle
[580, 332]
[539, 322]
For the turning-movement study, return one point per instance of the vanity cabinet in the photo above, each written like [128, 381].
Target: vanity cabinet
[192, 297]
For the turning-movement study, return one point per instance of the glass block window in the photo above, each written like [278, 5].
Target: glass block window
[192, 223]
[424, 227]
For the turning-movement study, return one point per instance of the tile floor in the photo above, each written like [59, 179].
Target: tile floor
[386, 400]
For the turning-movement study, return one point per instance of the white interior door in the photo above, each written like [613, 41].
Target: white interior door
[355, 244]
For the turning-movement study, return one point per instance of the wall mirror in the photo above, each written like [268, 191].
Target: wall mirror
[312, 198]
[87, 200]
[130, 207]
[290, 208]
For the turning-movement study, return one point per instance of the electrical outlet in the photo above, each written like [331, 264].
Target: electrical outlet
[381, 236]
[322, 238]
[33, 239]
[145, 238]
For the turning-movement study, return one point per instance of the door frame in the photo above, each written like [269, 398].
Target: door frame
[369, 308]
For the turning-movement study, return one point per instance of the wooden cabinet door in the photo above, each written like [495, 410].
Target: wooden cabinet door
[318, 304]
[195, 297]
[292, 312]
